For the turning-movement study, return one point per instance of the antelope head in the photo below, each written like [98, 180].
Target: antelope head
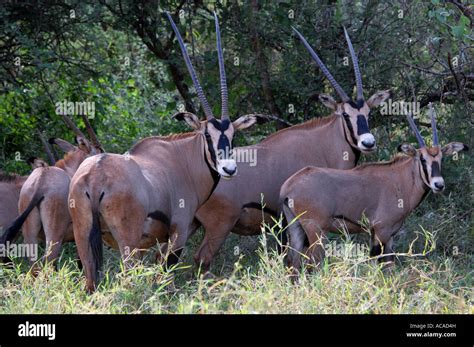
[217, 132]
[429, 157]
[354, 112]
[75, 154]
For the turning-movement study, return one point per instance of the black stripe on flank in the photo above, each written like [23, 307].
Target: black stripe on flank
[258, 206]
[340, 216]
[283, 234]
[160, 216]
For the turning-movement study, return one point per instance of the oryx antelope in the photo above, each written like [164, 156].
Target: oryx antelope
[385, 193]
[43, 206]
[335, 141]
[10, 187]
[152, 193]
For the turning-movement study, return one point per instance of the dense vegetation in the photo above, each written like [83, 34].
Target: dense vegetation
[122, 56]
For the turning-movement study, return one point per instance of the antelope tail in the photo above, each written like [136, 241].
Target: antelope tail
[297, 234]
[14, 229]
[95, 239]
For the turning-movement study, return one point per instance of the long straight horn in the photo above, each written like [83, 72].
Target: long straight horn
[323, 68]
[47, 148]
[419, 138]
[224, 94]
[92, 135]
[433, 126]
[72, 126]
[355, 63]
[192, 72]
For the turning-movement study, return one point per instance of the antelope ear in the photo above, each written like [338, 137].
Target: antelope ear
[328, 101]
[248, 120]
[36, 162]
[454, 147]
[379, 97]
[190, 118]
[63, 144]
[407, 149]
[83, 144]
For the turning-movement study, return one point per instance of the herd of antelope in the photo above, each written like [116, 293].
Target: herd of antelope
[165, 187]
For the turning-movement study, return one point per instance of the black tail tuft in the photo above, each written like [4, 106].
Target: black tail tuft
[258, 206]
[95, 241]
[14, 229]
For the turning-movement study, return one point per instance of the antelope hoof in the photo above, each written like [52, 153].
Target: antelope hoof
[388, 266]
[294, 275]
[7, 262]
[208, 275]
[35, 270]
[165, 279]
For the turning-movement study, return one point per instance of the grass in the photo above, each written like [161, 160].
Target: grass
[428, 278]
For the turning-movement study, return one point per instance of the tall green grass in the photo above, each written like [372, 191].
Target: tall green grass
[427, 278]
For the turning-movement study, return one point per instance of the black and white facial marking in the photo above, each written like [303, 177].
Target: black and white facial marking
[356, 117]
[219, 134]
[430, 161]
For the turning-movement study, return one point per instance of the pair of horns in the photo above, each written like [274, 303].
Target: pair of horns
[92, 135]
[419, 138]
[342, 94]
[192, 72]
